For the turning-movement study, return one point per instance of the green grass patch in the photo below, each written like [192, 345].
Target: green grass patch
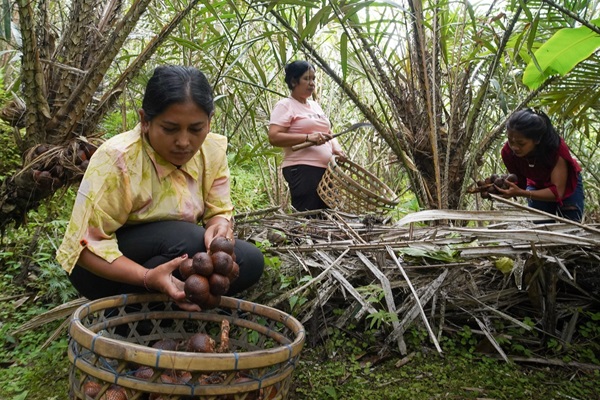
[348, 375]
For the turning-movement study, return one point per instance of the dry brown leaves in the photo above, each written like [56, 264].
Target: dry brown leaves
[435, 269]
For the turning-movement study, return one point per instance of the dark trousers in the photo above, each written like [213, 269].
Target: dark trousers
[303, 181]
[156, 243]
[572, 207]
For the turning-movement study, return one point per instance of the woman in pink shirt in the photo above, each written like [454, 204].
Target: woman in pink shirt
[548, 176]
[298, 119]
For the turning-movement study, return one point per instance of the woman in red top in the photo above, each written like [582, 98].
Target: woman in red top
[548, 175]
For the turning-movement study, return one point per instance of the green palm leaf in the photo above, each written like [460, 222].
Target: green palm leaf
[561, 53]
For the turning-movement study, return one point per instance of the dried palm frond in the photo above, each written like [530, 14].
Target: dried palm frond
[446, 275]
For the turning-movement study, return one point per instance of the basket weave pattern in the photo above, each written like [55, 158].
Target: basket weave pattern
[108, 345]
[346, 186]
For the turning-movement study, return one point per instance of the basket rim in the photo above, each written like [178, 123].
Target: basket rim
[146, 355]
[342, 176]
[360, 192]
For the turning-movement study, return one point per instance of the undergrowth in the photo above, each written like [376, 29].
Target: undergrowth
[339, 364]
[343, 368]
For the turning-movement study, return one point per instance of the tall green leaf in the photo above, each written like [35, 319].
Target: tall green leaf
[344, 54]
[311, 27]
[6, 18]
[561, 53]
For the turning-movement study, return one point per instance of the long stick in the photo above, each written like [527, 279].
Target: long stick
[418, 302]
[552, 216]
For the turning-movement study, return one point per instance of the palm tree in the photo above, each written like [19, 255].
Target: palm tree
[447, 74]
[66, 90]
[435, 79]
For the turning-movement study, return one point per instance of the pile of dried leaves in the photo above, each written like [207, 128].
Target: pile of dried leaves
[439, 269]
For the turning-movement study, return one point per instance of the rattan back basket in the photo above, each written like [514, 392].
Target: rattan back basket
[111, 342]
[348, 187]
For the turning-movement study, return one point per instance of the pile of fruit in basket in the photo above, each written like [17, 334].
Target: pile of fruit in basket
[208, 275]
[197, 343]
[491, 184]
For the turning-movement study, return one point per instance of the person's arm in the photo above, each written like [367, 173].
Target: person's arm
[279, 137]
[127, 271]
[337, 149]
[558, 178]
[218, 207]
[508, 158]
[121, 270]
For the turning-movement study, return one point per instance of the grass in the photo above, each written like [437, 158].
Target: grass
[429, 376]
[42, 374]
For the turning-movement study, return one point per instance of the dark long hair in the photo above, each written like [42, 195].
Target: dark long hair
[172, 84]
[294, 70]
[536, 125]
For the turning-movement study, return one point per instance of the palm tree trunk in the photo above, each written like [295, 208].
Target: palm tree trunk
[60, 134]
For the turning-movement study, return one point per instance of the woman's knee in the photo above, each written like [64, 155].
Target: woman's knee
[182, 237]
[251, 262]
[164, 238]
[191, 238]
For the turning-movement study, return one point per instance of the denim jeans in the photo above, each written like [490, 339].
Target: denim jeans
[572, 207]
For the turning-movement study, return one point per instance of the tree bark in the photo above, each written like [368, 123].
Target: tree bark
[60, 112]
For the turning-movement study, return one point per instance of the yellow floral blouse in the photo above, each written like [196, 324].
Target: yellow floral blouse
[127, 182]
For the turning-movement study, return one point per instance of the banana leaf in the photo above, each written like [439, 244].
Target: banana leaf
[561, 53]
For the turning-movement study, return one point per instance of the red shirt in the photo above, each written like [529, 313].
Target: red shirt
[538, 175]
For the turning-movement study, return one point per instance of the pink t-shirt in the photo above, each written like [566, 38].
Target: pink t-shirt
[305, 119]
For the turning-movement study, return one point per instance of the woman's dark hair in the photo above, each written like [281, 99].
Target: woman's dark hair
[294, 70]
[172, 84]
[536, 125]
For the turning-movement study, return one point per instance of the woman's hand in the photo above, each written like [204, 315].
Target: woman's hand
[513, 190]
[340, 154]
[124, 270]
[217, 226]
[162, 280]
[318, 138]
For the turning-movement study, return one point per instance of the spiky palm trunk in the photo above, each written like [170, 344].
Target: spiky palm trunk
[61, 78]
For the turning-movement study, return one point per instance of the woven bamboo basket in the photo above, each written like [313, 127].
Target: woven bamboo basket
[111, 341]
[348, 187]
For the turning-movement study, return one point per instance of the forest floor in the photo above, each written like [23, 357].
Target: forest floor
[345, 360]
[323, 375]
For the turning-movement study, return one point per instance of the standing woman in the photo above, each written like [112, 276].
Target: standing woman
[154, 196]
[298, 119]
[549, 177]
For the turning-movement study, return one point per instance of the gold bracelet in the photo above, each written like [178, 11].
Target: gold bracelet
[145, 279]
